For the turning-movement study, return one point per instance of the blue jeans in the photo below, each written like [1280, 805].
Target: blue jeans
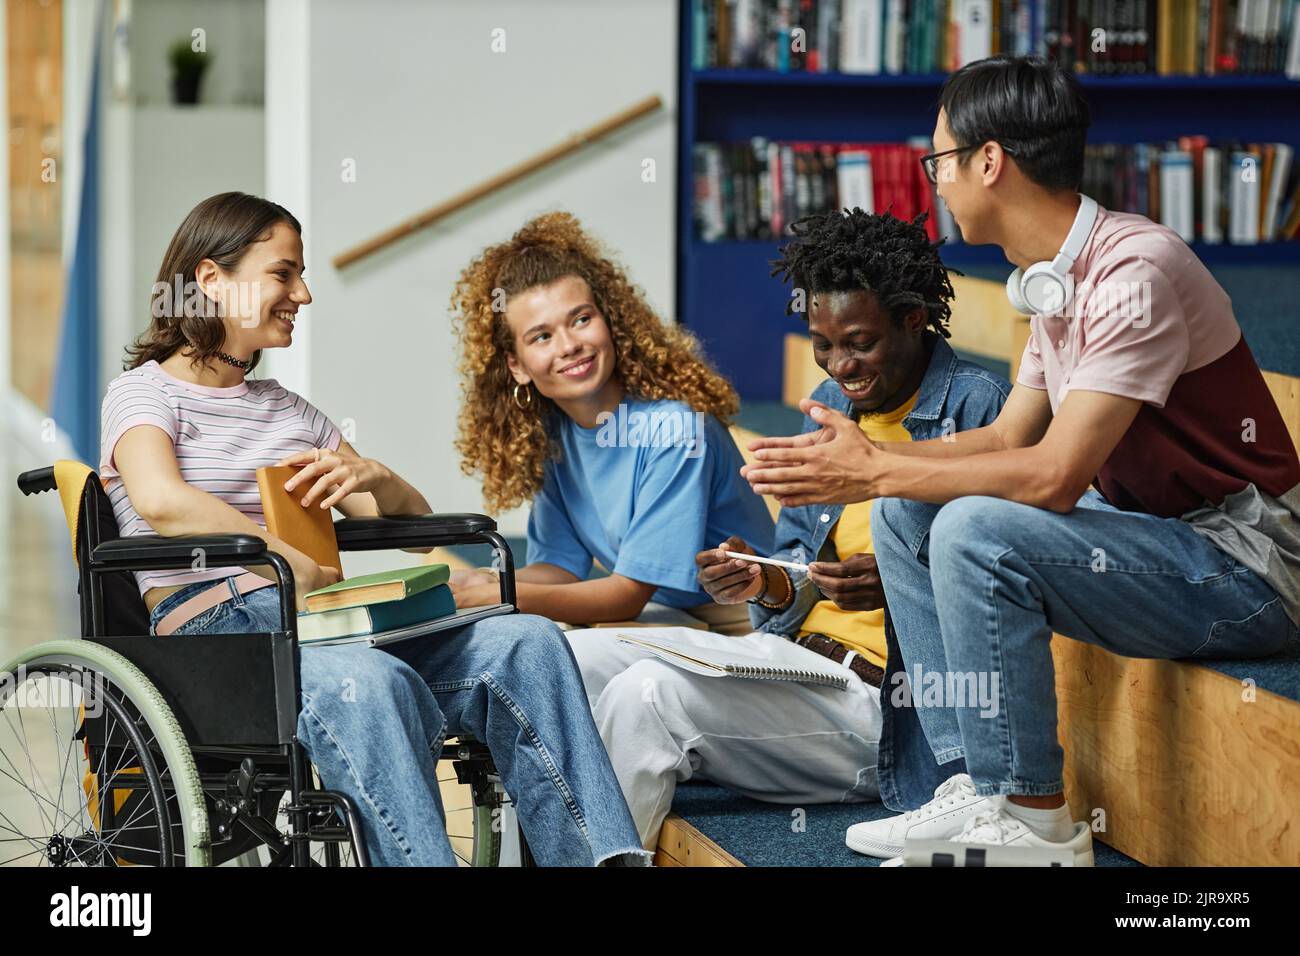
[373, 719]
[975, 589]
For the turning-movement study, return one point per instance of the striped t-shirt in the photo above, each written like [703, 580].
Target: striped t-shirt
[221, 436]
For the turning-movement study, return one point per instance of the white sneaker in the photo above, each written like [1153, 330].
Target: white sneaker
[942, 818]
[1000, 828]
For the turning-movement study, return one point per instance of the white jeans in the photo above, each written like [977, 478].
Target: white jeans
[778, 741]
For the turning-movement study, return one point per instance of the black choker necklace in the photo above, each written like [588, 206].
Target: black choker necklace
[237, 363]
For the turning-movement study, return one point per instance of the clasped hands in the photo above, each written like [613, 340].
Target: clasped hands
[837, 464]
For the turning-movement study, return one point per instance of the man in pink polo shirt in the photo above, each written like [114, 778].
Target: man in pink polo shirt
[1135, 381]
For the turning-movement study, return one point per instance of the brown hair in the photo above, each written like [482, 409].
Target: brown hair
[653, 360]
[220, 228]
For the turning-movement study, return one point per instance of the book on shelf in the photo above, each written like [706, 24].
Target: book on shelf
[1176, 179]
[1243, 218]
[1204, 190]
[1278, 178]
[1211, 197]
[756, 189]
[1102, 37]
[1221, 191]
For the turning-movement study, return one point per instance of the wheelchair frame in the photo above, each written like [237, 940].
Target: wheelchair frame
[265, 729]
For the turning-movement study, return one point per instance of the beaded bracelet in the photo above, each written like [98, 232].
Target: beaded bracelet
[789, 590]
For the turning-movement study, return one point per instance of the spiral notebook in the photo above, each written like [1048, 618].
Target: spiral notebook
[735, 663]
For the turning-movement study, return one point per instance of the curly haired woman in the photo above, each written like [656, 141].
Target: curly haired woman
[579, 399]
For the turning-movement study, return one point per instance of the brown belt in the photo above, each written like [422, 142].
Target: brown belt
[209, 598]
[828, 647]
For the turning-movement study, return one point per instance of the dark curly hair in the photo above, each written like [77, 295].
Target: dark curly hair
[860, 251]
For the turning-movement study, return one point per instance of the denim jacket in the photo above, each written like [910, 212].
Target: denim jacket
[955, 395]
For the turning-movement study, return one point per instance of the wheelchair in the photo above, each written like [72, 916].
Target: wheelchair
[126, 749]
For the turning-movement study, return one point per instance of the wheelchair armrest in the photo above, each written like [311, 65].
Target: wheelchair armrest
[411, 531]
[151, 552]
[148, 552]
[428, 531]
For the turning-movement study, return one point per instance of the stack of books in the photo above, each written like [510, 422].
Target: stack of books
[375, 608]
[377, 603]
[1111, 37]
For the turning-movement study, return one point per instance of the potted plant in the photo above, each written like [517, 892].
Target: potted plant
[187, 71]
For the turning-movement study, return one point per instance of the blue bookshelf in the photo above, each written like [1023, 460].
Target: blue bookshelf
[725, 294]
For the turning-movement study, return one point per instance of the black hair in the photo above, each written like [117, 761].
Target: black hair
[858, 251]
[1028, 104]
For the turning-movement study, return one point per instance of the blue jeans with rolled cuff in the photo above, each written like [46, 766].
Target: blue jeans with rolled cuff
[374, 719]
[975, 589]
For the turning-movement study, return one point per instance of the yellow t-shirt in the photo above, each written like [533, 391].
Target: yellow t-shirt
[861, 631]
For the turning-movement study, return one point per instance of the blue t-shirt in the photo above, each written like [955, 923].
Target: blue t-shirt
[642, 493]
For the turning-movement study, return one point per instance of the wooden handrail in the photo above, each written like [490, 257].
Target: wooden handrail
[503, 178]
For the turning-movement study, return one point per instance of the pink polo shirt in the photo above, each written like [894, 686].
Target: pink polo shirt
[1208, 445]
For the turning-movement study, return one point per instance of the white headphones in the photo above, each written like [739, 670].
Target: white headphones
[1045, 287]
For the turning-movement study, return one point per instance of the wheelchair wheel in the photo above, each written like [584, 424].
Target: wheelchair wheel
[94, 770]
[481, 822]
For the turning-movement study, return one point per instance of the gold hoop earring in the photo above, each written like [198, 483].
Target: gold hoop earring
[523, 406]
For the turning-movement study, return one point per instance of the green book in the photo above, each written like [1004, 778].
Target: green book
[378, 587]
[427, 605]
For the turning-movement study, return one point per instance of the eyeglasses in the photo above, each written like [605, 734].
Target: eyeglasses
[930, 161]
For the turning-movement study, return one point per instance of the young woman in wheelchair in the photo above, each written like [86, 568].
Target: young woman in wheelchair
[581, 401]
[184, 430]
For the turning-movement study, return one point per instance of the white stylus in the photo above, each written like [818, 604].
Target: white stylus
[757, 560]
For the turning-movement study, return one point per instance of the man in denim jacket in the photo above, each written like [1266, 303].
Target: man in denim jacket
[876, 296]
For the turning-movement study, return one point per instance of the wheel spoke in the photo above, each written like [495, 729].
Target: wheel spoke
[54, 733]
[17, 832]
[26, 747]
[21, 856]
[67, 757]
[35, 796]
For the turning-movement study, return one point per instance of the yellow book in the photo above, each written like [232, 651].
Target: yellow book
[1165, 38]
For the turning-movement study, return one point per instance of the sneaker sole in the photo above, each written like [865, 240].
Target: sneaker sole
[886, 851]
[868, 847]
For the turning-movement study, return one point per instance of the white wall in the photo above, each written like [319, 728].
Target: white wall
[233, 32]
[181, 157]
[157, 161]
[288, 160]
[6, 302]
[414, 94]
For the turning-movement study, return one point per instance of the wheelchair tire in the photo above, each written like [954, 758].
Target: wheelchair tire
[165, 764]
[487, 837]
